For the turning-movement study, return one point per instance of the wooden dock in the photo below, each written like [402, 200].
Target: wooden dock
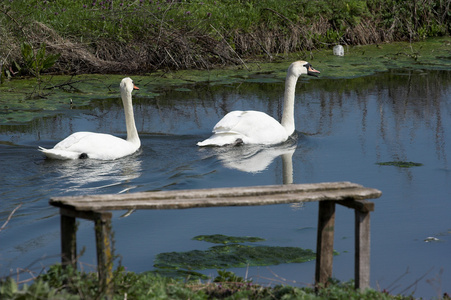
[98, 209]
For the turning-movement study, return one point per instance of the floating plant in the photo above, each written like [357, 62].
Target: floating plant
[400, 164]
[231, 255]
[224, 239]
[18, 105]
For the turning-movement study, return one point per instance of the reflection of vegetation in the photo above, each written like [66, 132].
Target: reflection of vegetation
[400, 164]
[233, 255]
[338, 74]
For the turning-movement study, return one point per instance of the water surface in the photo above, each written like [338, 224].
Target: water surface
[344, 127]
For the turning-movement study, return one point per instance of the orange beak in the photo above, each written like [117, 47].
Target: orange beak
[135, 87]
[312, 72]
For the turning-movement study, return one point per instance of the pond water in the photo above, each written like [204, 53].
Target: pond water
[344, 128]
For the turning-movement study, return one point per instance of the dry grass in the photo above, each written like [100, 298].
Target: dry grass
[203, 44]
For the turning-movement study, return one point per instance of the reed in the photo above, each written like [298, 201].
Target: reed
[138, 36]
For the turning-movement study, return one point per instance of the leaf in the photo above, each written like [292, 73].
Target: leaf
[27, 54]
[50, 60]
[8, 288]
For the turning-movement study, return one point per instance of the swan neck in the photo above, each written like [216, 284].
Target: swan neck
[132, 133]
[288, 105]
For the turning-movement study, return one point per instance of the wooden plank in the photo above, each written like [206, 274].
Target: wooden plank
[231, 192]
[362, 250]
[325, 243]
[221, 192]
[361, 205]
[84, 214]
[245, 196]
[113, 203]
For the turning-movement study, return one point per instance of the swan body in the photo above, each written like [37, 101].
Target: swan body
[255, 127]
[99, 145]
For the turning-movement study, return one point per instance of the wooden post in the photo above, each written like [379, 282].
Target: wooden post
[68, 240]
[362, 249]
[325, 242]
[104, 251]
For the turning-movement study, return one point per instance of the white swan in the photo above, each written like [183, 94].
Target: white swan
[99, 145]
[255, 127]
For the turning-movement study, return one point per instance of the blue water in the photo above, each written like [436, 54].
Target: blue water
[344, 127]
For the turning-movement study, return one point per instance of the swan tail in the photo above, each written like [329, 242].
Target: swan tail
[59, 154]
[222, 140]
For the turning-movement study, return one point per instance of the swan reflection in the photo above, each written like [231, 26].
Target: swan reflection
[256, 158]
[89, 176]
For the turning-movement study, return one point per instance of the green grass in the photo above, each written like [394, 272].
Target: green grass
[124, 19]
[150, 35]
[57, 283]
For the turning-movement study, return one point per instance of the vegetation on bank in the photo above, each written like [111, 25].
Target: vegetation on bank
[140, 36]
[69, 284]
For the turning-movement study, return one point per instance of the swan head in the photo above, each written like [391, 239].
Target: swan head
[301, 67]
[127, 85]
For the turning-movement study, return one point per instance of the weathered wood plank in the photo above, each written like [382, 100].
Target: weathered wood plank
[91, 214]
[225, 192]
[325, 242]
[245, 196]
[361, 205]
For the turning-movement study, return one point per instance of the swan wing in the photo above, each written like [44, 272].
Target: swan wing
[73, 141]
[93, 145]
[250, 127]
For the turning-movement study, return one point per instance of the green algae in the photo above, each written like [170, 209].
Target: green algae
[224, 239]
[23, 100]
[400, 164]
[434, 53]
[233, 256]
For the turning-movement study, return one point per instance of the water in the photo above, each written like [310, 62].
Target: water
[344, 127]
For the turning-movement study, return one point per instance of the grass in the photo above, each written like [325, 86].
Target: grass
[139, 36]
[59, 283]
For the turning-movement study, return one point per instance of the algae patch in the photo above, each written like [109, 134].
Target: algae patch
[400, 164]
[22, 100]
[224, 239]
[232, 254]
